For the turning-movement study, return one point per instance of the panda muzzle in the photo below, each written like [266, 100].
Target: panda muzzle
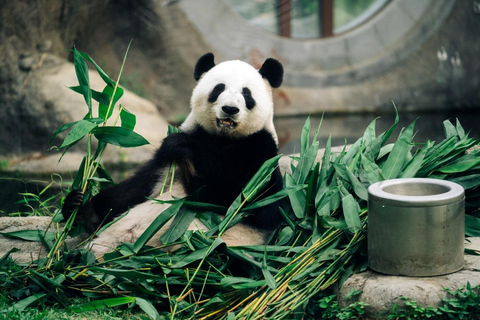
[226, 123]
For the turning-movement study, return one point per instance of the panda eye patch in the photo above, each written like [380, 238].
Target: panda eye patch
[249, 101]
[219, 88]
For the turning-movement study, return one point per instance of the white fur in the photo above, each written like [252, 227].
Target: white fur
[236, 75]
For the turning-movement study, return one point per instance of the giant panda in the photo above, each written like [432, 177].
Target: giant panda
[227, 136]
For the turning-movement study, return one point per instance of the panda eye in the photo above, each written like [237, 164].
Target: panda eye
[219, 88]
[249, 101]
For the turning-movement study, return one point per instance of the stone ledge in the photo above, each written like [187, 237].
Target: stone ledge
[382, 292]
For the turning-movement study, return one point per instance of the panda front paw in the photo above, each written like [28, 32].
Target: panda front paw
[72, 200]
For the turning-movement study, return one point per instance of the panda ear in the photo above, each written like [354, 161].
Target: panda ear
[204, 64]
[272, 70]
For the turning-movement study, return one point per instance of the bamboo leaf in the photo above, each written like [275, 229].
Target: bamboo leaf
[119, 136]
[397, 157]
[78, 131]
[62, 129]
[128, 119]
[30, 235]
[156, 225]
[297, 199]
[415, 164]
[449, 129]
[102, 73]
[179, 225]
[468, 182]
[24, 303]
[463, 164]
[199, 254]
[102, 304]
[104, 108]
[147, 307]
[472, 226]
[270, 280]
[256, 184]
[305, 137]
[81, 70]
[351, 211]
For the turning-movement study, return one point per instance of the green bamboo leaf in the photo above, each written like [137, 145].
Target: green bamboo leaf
[103, 108]
[78, 131]
[147, 307]
[463, 164]
[128, 274]
[81, 70]
[348, 176]
[369, 134]
[274, 197]
[472, 226]
[102, 73]
[270, 280]
[30, 235]
[102, 304]
[460, 130]
[372, 150]
[156, 225]
[449, 129]
[62, 129]
[4, 258]
[128, 119]
[306, 163]
[97, 96]
[261, 178]
[199, 254]
[305, 137]
[351, 211]
[326, 159]
[119, 136]
[399, 154]
[179, 225]
[230, 215]
[297, 199]
[371, 170]
[24, 303]
[468, 182]
[415, 164]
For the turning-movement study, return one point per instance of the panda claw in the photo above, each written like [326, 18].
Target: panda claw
[72, 200]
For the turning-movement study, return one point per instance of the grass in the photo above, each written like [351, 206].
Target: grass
[321, 242]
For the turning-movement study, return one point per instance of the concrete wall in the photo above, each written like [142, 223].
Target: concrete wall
[393, 56]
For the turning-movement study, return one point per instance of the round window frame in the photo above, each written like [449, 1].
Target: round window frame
[373, 47]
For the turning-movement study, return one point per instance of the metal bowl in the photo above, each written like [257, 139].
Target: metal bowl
[416, 227]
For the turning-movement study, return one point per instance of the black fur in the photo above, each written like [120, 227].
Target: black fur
[205, 63]
[272, 70]
[214, 168]
[217, 90]
[249, 101]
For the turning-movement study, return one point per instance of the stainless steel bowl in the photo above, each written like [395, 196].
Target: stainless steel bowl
[416, 227]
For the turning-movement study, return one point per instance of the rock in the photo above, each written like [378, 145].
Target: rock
[383, 292]
[57, 105]
[26, 62]
[28, 250]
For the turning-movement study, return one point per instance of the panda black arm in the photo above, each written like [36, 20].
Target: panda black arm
[115, 200]
[268, 217]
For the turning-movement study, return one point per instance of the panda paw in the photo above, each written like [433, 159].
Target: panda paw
[72, 200]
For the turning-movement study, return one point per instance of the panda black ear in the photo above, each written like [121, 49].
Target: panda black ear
[272, 70]
[204, 64]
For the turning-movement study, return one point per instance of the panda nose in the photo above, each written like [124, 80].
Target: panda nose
[230, 110]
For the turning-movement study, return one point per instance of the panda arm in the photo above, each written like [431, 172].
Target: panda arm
[268, 217]
[115, 200]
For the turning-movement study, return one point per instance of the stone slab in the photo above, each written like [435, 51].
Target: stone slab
[382, 292]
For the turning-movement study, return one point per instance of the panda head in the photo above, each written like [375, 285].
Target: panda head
[233, 98]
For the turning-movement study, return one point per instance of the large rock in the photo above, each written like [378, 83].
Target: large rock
[382, 292]
[28, 250]
[57, 104]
